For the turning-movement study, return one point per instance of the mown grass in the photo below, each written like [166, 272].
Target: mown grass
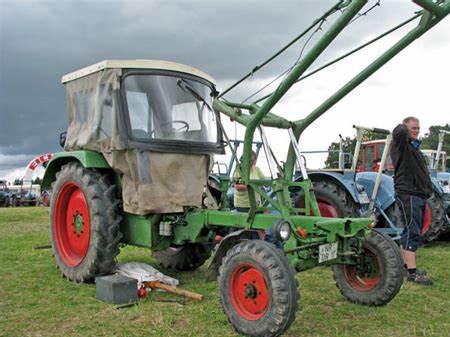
[36, 301]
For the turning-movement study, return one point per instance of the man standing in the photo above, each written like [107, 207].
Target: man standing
[412, 187]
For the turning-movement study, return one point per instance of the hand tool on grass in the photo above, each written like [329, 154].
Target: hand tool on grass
[172, 290]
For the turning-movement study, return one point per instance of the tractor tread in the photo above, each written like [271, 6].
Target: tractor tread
[391, 274]
[281, 277]
[105, 222]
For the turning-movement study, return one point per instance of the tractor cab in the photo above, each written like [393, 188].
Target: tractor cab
[371, 153]
[153, 122]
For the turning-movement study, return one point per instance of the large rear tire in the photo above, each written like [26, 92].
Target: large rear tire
[394, 213]
[85, 223]
[333, 200]
[183, 258]
[378, 275]
[258, 289]
[438, 221]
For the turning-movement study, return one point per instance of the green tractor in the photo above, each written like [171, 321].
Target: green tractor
[138, 152]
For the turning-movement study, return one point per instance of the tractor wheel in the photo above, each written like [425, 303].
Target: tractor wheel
[183, 258]
[6, 202]
[333, 200]
[437, 218]
[258, 289]
[85, 223]
[377, 276]
[14, 202]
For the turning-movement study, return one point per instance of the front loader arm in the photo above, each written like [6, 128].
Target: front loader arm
[431, 14]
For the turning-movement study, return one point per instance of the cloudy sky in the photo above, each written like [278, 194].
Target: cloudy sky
[42, 40]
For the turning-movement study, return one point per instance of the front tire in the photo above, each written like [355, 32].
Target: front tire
[377, 276]
[258, 289]
[85, 223]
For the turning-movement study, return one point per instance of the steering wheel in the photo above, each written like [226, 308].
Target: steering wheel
[184, 126]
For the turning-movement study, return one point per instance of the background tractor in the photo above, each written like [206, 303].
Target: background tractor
[438, 205]
[138, 151]
[345, 192]
[439, 168]
[5, 194]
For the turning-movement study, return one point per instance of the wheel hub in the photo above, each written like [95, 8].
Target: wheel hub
[249, 292]
[365, 275]
[78, 223]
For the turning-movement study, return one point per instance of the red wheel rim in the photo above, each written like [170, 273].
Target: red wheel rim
[364, 280]
[327, 209]
[71, 224]
[249, 293]
[426, 220]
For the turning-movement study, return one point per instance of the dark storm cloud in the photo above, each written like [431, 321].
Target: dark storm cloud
[41, 41]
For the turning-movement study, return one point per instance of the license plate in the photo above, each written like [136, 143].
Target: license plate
[328, 252]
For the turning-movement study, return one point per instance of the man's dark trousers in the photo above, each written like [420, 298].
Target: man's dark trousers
[412, 209]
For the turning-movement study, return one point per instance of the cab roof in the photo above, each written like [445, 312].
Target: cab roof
[136, 64]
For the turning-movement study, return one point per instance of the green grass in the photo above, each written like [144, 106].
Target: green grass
[36, 301]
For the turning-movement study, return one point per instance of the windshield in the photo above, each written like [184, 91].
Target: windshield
[170, 108]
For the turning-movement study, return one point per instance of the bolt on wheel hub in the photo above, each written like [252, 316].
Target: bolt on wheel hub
[78, 223]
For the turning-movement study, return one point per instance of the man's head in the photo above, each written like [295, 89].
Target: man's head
[252, 160]
[413, 125]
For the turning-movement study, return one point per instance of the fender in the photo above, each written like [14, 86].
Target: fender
[444, 179]
[437, 186]
[89, 159]
[228, 242]
[386, 191]
[343, 178]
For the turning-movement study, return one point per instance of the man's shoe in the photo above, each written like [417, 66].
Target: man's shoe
[418, 272]
[420, 279]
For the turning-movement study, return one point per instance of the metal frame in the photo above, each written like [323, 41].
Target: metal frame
[435, 165]
[258, 115]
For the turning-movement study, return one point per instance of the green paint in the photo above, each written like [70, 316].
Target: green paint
[89, 159]
[137, 230]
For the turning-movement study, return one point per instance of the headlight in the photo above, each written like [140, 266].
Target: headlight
[281, 230]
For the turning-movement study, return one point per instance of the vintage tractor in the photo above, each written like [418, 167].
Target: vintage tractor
[25, 194]
[437, 160]
[139, 145]
[5, 194]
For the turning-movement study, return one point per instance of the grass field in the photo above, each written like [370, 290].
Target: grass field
[36, 301]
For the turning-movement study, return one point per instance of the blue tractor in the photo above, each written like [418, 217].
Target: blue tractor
[437, 161]
[347, 192]
[438, 205]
